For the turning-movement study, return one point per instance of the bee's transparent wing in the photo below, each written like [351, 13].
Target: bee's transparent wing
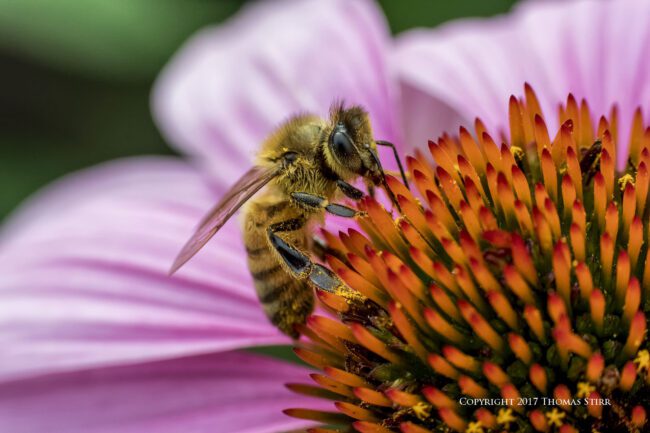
[251, 182]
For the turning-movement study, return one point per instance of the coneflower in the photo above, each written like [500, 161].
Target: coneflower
[510, 294]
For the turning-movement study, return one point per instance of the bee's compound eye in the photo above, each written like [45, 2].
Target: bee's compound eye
[341, 144]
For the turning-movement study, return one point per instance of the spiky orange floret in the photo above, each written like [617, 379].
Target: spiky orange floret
[518, 273]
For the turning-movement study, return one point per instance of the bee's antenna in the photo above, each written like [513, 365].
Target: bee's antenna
[399, 162]
[384, 183]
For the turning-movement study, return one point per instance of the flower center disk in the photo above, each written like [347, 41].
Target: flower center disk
[511, 294]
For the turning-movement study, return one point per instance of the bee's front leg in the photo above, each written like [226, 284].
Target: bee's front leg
[316, 202]
[349, 190]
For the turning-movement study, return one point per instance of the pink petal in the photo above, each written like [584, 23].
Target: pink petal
[225, 393]
[230, 86]
[596, 50]
[83, 274]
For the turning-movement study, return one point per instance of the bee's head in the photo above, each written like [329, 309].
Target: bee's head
[352, 149]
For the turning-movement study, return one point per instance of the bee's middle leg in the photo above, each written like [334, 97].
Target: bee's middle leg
[315, 202]
[299, 263]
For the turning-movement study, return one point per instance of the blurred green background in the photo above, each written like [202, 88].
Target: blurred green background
[76, 76]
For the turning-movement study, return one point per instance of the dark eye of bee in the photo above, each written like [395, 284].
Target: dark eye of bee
[340, 142]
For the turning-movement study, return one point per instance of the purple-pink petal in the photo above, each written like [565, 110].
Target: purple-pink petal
[597, 50]
[230, 86]
[225, 392]
[83, 274]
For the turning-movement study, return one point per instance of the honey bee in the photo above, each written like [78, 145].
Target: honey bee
[305, 164]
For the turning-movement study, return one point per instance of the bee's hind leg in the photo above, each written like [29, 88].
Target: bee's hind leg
[299, 263]
[316, 202]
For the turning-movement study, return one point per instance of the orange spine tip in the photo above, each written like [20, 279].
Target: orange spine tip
[628, 376]
[556, 307]
[484, 276]
[344, 377]
[586, 126]
[600, 199]
[356, 412]
[595, 367]
[511, 393]
[594, 405]
[449, 187]
[579, 346]
[561, 392]
[518, 285]
[372, 397]
[584, 280]
[638, 416]
[487, 219]
[402, 398]
[442, 158]
[522, 188]
[608, 170]
[543, 231]
[523, 261]
[334, 302]
[507, 161]
[332, 385]
[562, 272]
[566, 428]
[460, 359]
[568, 195]
[470, 220]
[495, 374]
[632, 300]
[520, 348]
[445, 278]
[542, 138]
[606, 256]
[369, 427]
[534, 320]
[550, 212]
[636, 334]
[517, 137]
[438, 398]
[549, 171]
[506, 196]
[469, 387]
[442, 367]
[373, 344]
[486, 332]
[442, 327]
[629, 206]
[409, 427]
[538, 377]
[486, 418]
[636, 135]
[578, 216]
[524, 219]
[406, 328]
[471, 150]
[538, 420]
[503, 309]
[445, 303]
[452, 419]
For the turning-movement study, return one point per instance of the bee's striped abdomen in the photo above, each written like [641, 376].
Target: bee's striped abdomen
[287, 301]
